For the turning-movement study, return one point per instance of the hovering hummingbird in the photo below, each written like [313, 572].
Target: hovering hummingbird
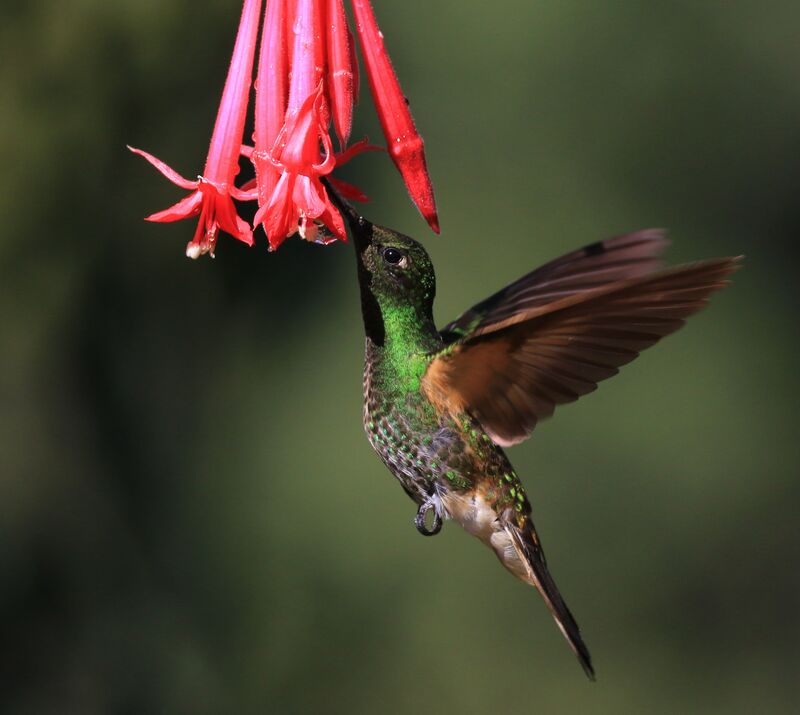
[440, 405]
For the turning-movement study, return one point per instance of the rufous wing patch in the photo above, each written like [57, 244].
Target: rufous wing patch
[456, 380]
[524, 367]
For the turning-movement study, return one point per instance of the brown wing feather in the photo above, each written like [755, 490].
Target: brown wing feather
[510, 373]
[598, 264]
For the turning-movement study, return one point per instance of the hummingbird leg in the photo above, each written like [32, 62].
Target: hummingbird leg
[419, 520]
[432, 501]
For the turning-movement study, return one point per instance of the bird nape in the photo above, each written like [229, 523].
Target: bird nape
[440, 405]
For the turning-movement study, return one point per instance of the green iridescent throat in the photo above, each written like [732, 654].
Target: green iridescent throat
[407, 350]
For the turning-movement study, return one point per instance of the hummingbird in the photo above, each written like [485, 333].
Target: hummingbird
[440, 405]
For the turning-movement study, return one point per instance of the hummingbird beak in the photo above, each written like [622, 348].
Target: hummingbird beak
[360, 228]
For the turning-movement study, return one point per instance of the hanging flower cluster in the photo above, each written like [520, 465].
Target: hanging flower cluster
[306, 80]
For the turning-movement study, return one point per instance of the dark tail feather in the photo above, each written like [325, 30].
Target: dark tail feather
[531, 553]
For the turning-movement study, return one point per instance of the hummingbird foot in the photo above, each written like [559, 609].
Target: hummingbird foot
[433, 502]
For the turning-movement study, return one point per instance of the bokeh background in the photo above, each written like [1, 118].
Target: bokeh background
[191, 520]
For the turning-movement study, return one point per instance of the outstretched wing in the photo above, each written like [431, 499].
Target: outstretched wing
[528, 353]
[588, 268]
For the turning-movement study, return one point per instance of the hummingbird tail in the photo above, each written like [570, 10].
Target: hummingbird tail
[530, 553]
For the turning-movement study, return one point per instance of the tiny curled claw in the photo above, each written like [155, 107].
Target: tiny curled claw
[419, 519]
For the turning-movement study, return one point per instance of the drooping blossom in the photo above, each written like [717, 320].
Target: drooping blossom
[307, 80]
[299, 197]
[214, 190]
[271, 95]
[402, 138]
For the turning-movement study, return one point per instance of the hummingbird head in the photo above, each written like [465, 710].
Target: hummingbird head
[397, 269]
[396, 278]
[395, 274]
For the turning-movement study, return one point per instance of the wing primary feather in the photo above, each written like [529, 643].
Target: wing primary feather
[515, 366]
[600, 263]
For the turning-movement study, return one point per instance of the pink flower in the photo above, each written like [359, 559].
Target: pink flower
[342, 69]
[307, 80]
[214, 191]
[271, 95]
[299, 198]
[298, 195]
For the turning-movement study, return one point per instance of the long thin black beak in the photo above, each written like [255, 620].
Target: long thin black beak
[361, 231]
[360, 228]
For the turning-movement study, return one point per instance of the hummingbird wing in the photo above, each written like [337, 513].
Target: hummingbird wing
[521, 359]
[588, 268]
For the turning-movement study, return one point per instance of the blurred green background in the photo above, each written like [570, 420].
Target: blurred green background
[191, 519]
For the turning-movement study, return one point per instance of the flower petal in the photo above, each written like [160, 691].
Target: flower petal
[306, 196]
[349, 191]
[167, 171]
[361, 146]
[185, 208]
[229, 221]
[248, 192]
[329, 160]
[333, 220]
[297, 146]
[280, 215]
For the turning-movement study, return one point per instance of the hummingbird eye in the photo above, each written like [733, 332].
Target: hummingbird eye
[392, 256]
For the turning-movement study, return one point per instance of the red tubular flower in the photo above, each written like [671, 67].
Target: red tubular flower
[307, 54]
[299, 197]
[214, 191]
[340, 70]
[307, 77]
[271, 95]
[403, 140]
